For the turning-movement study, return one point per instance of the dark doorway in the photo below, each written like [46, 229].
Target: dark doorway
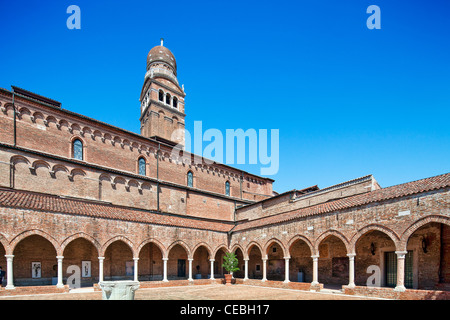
[181, 268]
[391, 269]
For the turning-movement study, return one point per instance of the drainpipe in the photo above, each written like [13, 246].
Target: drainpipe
[242, 179]
[15, 125]
[157, 176]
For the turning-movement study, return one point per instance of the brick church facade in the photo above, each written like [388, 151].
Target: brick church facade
[75, 191]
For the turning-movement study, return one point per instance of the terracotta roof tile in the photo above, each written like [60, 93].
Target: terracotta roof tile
[401, 190]
[51, 203]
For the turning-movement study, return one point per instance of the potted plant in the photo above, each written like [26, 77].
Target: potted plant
[231, 265]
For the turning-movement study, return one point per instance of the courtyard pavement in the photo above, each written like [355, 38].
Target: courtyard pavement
[201, 292]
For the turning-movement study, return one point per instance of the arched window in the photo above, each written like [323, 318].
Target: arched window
[175, 102]
[77, 149]
[227, 188]
[190, 179]
[168, 99]
[142, 165]
[161, 95]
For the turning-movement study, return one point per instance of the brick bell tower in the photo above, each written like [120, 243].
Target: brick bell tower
[162, 98]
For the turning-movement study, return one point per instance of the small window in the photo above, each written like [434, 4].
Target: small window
[175, 102]
[161, 95]
[190, 179]
[78, 149]
[142, 165]
[168, 99]
[227, 188]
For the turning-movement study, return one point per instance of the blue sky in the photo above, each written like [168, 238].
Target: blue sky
[348, 101]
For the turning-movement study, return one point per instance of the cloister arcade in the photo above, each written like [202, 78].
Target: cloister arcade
[410, 260]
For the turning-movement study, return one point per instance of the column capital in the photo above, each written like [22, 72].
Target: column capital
[212, 260]
[286, 258]
[190, 259]
[135, 259]
[351, 255]
[315, 256]
[9, 256]
[165, 259]
[401, 254]
[59, 257]
[101, 258]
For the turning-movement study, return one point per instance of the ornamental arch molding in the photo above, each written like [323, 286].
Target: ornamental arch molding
[205, 245]
[237, 246]
[372, 227]
[418, 224]
[26, 234]
[328, 233]
[301, 238]
[5, 243]
[118, 238]
[151, 240]
[272, 241]
[81, 235]
[183, 245]
[248, 248]
[218, 248]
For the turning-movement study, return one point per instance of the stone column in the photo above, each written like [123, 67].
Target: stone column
[212, 269]
[315, 281]
[264, 269]
[246, 270]
[165, 270]
[100, 268]
[60, 272]
[136, 273]
[400, 271]
[190, 270]
[286, 270]
[351, 270]
[9, 272]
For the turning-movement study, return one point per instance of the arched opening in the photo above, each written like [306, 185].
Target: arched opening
[150, 263]
[333, 263]
[219, 271]
[201, 264]
[118, 263]
[35, 262]
[82, 253]
[430, 247]
[275, 262]
[375, 260]
[300, 264]
[255, 263]
[241, 265]
[161, 96]
[190, 179]
[177, 266]
[168, 99]
[142, 170]
[77, 149]
[227, 188]
[3, 265]
[175, 102]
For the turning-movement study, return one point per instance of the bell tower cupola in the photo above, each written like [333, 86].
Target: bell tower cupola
[162, 98]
